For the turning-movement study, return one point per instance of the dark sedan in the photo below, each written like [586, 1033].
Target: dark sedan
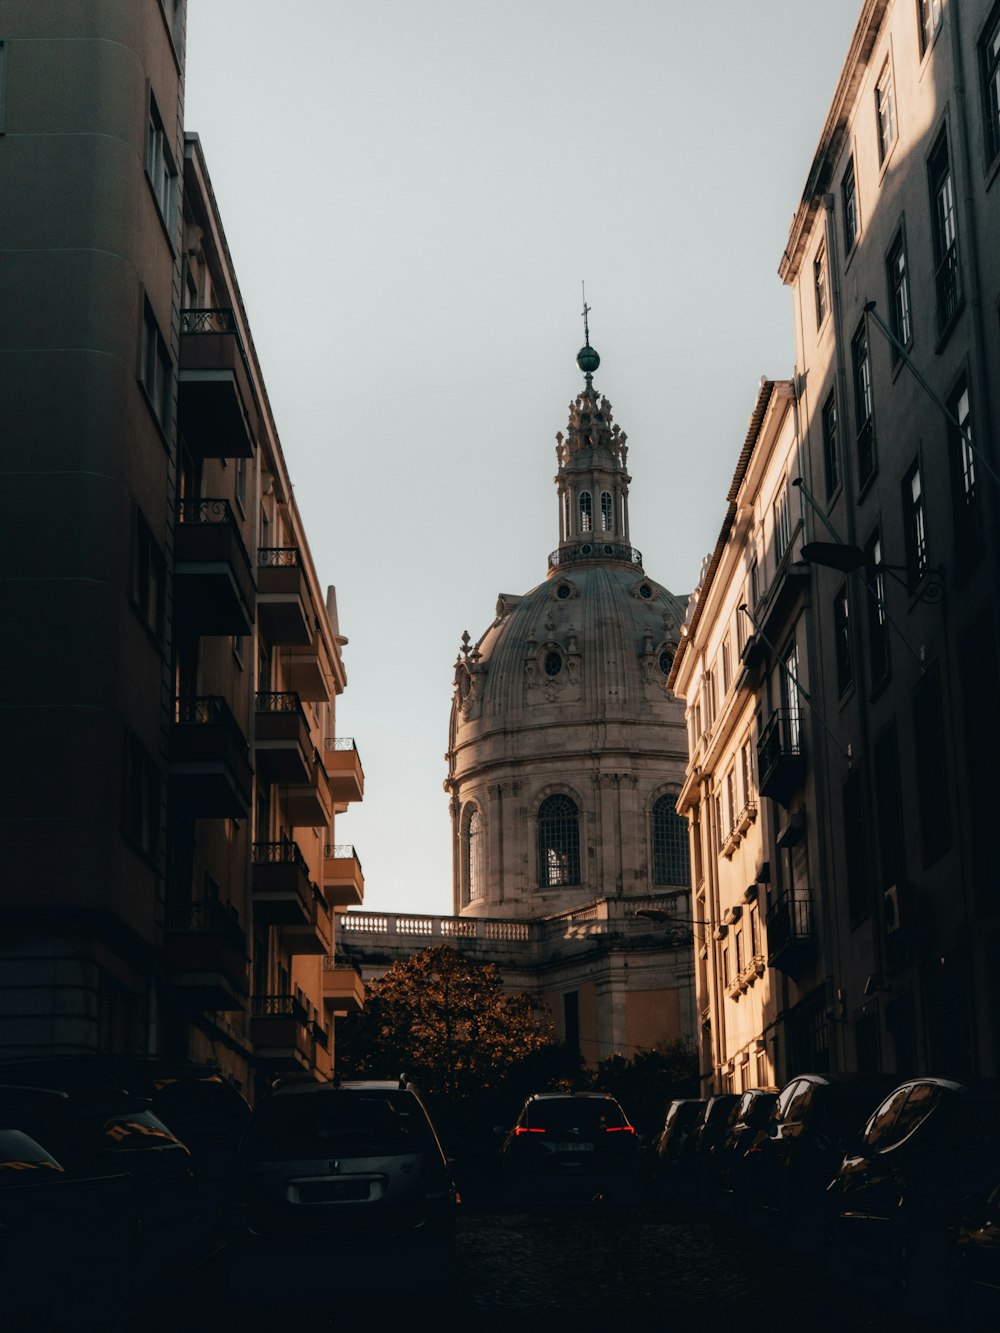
[571, 1145]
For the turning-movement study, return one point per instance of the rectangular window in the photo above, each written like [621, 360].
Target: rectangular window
[726, 669]
[241, 484]
[842, 640]
[819, 283]
[945, 232]
[863, 403]
[732, 809]
[754, 582]
[738, 950]
[148, 577]
[849, 197]
[141, 797]
[878, 625]
[989, 63]
[914, 525]
[746, 772]
[781, 526]
[885, 112]
[930, 20]
[160, 165]
[831, 456]
[932, 770]
[790, 696]
[155, 370]
[965, 499]
[899, 293]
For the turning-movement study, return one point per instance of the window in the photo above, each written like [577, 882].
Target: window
[842, 640]
[932, 770]
[878, 626]
[965, 502]
[474, 856]
[863, 403]
[738, 950]
[240, 487]
[754, 582]
[930, 20]
[899, 294]
[155, 370]
[671, 860]
[819, 283]
[141, 797]
[160, 165]
[606, 521]
[753, 932]
[781, 527]
[914, 525]
[148, 577]
[746, 772]
[849, 197]
[885, 112]
[731, 807]
[558, 842]
[724, 661]
[831, 458]
[945, 231]
[989, 59]
[790, 696]
[3, 84]
[552, 663]
[586, 512]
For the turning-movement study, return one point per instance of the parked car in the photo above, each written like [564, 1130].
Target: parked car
[577, 1145]
[976, 1267]
[924, 1162]
[749, 1114]
[793, 1158]
[707, 1137]
[674, 1146]
[352, 1172]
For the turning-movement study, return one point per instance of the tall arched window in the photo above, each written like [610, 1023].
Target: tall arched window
[671, 860]
[558, 842]
[474, 855]
[586, 512]
[606, 521]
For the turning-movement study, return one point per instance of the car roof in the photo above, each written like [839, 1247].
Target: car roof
[567, 1096]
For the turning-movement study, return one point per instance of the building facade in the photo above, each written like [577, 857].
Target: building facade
[872, 662]
[172, 772]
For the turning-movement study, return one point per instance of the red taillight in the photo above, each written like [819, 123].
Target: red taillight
[619, 1129]
[527, 1129]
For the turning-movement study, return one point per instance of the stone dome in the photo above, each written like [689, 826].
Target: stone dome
[561, 718]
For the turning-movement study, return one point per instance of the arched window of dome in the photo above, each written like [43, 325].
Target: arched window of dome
[473, 844]
[671, 858]
[586, 512]
[558, 842]
[606, 520]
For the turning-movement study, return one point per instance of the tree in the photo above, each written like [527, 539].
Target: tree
[448, 1022]
[647, 1082]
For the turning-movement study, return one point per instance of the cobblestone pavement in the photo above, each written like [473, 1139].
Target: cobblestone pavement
[655, 1266]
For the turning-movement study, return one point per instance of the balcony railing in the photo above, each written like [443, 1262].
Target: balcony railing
[343, 877]
[279, 1006]
[779, 754]
[209, 758]
[282, 744]
[282, 889]
[279, 557]
[281, 853]
[595, 550]
[283, 601]
[204, 954]
[790, 938]
[214, 581]
[218, 409]
[343, 767]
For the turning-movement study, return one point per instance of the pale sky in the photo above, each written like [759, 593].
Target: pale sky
[413, 191]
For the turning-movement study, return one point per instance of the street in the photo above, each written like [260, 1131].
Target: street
[652, 1266]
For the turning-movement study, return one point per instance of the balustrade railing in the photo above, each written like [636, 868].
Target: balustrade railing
[596, 550]
[208, 320]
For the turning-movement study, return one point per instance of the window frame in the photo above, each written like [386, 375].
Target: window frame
[887, 128]
[897, 274]
[831, 444]
[915, 525]
[549, 876]
[161, 166]
[878, 620]
[851, 206]
[944, 233]
[671, 849]
[148, 578]
[842, 640]
[989, 76]
[929, 17]
[864, 404]
[821, 285]
[156, 369]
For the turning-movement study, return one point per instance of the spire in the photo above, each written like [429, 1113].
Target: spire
[587, 358]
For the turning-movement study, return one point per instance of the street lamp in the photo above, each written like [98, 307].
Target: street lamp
[680, 927]
[847, 558]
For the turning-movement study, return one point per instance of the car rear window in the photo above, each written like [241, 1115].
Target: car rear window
[584, 1116]
[348, 1124]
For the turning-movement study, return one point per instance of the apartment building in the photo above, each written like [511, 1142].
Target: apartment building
[172, 772]
[872, 653]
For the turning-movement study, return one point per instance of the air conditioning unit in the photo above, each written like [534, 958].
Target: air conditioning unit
[890, 909]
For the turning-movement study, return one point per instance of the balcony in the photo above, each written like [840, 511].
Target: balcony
[279, 1031]
[280, 885]
[309, 804]
[780, 765]
[216, 403]
[342, 878]
[321, 1053]
[282, 746]
[343, 988]
[213, 578]
[284, 606]
[790, 582]
[308, 671]
[209, 760]
[343, 767]
[205, 957]
[316, 937]
[791, 944]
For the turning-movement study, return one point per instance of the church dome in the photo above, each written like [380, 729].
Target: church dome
[565, 750]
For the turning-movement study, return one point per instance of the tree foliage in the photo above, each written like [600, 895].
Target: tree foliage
[649, 1080]
[446, 1021]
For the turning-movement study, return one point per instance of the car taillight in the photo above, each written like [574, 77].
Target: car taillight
[619, 1129]
[527, 1129]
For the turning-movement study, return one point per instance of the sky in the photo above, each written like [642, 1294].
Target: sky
[413, 192]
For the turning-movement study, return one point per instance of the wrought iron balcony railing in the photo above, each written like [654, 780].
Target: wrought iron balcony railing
[340, 851]
[276, 701]
[279, 557]
[595, 550]
[339, 743]
[779, 753]
[282, 852]
[206, 916]
[217, 320]
[279, 1006]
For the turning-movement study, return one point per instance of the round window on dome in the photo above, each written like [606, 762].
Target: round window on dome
[562, 592]
[645, 591]
[666, 660]
[553, 663]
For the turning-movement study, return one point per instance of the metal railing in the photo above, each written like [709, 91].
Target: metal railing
[595, 551]
[206, 509]
[340, 851]
[279, 557]
[339, 743]
[208, 915]
[278, 701]
[780, 739]
[279, 1006]
[789, 919]
[220, 319]
[283, 852]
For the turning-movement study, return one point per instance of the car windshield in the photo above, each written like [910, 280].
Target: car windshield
[349, 1124]
[571, 1116]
